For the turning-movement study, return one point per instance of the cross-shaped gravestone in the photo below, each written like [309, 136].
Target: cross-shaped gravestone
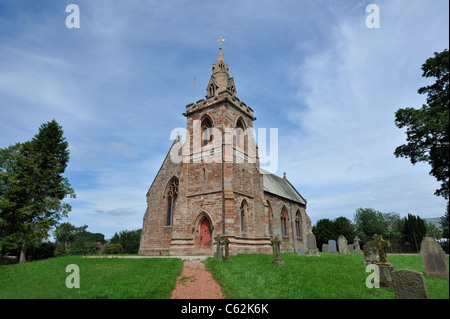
[380, 244]
[218, 254]
[227, 256]
[276, 250]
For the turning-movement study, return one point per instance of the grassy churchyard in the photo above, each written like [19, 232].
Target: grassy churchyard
[330, 276]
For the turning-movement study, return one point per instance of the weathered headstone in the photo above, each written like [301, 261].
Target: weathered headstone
[409, 284]
[325, 248]
[370, 254]
[357, 249]
[276, 250]
[433, 258]
[350, 248]
[384, 266]
[312, 246]
[218, 253]
[343, 245]
[227, 256]
[379, 243]
[332, 246]
[301, 251]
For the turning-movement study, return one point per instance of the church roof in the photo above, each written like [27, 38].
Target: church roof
[281, 187]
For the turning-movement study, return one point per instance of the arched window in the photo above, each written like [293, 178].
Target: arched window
[270, 219]
[298, 224]
[207, 135]
[211, 90]
[240, 142]
[243, 212]
[283, 218]
[172, 194]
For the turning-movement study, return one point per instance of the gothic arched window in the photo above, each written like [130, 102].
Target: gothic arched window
[206, 128]
[283, 218]
[172, 194]
[298, 224]
[243, 213]
[240, 142]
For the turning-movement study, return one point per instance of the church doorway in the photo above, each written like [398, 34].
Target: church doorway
[205, 234]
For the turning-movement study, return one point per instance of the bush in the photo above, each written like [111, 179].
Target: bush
[113, 249]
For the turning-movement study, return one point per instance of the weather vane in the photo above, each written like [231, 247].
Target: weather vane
[220, 41]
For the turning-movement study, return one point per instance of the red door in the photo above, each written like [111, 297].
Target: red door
[205, 234]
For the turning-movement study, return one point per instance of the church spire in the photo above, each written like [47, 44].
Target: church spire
[220, 79]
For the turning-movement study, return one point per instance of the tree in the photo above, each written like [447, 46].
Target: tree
[343, 226]
[128, 239]
[414, 230]
[72, 240]
[324, 230]
[32, 186]
[369, 222]
[428, 127]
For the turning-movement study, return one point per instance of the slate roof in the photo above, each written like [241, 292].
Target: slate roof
[281, 187]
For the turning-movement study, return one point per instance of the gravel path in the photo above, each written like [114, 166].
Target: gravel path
[195, 282]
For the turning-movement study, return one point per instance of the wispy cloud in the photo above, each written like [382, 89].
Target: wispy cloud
[119, 85]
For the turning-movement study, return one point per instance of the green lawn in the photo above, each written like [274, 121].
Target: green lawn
[330, 276]
[99, 278]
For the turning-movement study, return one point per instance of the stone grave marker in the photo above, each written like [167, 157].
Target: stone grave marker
[226, 243]
[370, 254]
[409, 284]
[433, 258]
[276, 250]
[350, 248]
[384, 266]
[325, 248]
[357, 249]
[301, 251]
[343, 245]
[312, 246]
[332, 246]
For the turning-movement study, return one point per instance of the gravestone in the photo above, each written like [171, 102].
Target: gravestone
[227, 256]
[276, 250]
[332, 246]
[409, 284]
[433, 258]
[350, 248]
[379, 243]
[301, 251]
[343, 245]
[370, 254]
[357, 249]
[325, 248]
[384, 266]
[218, 253]
[312, 246]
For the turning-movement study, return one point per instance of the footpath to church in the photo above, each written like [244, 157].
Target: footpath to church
[195, 282]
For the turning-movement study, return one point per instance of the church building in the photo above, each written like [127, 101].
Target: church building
[211, 184]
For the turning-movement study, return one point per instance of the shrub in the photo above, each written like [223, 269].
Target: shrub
[113, 249]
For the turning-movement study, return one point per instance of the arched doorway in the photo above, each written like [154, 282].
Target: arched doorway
[203, 229]
[205, 234]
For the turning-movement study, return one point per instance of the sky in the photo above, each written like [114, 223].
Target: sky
[314, 70]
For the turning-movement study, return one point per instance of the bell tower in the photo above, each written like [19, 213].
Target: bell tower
[220, 162]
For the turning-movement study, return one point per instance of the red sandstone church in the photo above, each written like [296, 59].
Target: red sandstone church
[212, 185]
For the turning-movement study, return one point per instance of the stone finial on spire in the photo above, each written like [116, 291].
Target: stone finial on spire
[220, 79]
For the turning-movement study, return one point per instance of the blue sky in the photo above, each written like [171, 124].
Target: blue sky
[312, 69]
